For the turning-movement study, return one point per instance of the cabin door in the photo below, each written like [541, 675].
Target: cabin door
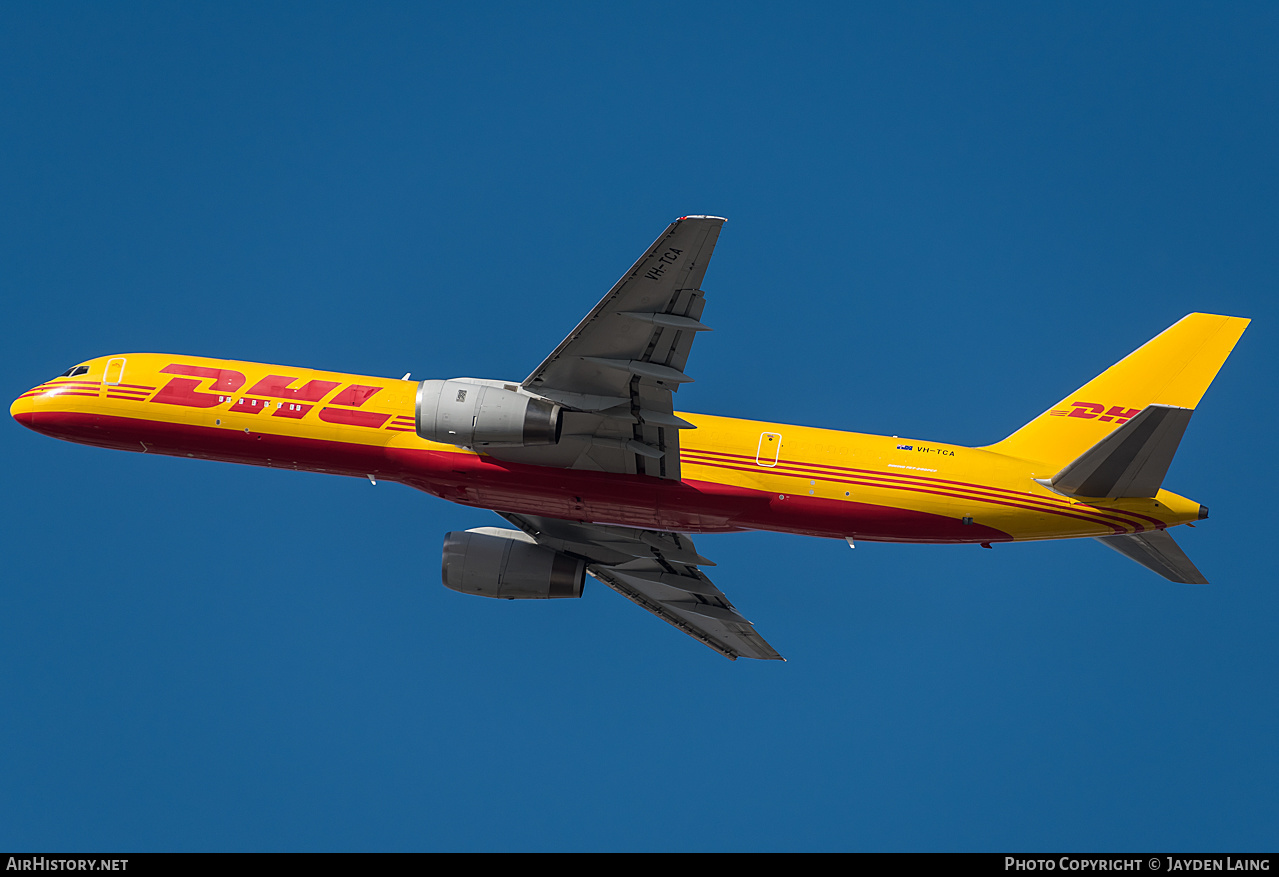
[770, 445]
[114, 373]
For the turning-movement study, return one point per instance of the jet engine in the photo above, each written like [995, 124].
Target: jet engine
[469, 412]
[492, 562]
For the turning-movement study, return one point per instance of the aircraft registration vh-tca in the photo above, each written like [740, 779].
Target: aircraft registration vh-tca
[598, 474]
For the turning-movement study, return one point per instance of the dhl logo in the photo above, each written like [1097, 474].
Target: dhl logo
[202, 387]
[1091, 410]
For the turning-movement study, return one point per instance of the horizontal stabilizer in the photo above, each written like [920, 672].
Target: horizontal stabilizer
[1130, 462]
[1158, 551]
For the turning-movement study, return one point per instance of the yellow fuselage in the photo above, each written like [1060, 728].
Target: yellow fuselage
[736, 474]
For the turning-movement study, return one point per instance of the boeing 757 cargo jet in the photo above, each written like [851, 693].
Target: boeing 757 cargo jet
[598, 475]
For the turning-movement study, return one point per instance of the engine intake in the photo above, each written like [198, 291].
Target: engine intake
[469, 413]
[491, 562]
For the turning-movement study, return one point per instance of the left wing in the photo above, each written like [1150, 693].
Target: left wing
[658, 571]
[616, 372]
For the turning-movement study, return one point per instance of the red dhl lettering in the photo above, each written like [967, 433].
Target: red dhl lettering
[347, 417]
[247, 405]
[1116, 413]
[187, 391]
[354, 395]
[182, 391]
[297, 412]
[277, 387]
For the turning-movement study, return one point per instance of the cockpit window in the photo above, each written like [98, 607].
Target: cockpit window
[75, 370]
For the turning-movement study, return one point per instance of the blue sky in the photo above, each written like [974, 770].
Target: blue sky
[942, 218]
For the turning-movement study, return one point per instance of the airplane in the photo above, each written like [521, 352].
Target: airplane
[598, 475]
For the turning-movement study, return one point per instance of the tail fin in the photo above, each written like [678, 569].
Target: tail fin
[1174, 369]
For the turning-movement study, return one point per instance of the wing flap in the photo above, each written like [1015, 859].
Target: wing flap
[657, 571]
[718, 627]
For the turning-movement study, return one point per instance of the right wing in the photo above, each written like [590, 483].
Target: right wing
[658, 571]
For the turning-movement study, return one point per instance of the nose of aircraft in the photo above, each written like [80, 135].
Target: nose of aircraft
[23, 407]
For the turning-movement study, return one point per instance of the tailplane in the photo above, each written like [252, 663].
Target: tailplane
[1171, 371]
[1131, 462]
[1157, 551]
[1115, 436]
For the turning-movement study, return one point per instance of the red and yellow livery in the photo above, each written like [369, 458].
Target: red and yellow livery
[717, 474]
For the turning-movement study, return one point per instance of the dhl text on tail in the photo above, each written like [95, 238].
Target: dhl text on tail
[596, 472]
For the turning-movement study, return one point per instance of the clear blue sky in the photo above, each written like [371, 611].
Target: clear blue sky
[942, 218]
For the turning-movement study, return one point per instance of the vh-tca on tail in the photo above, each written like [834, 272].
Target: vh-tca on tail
[598, 475]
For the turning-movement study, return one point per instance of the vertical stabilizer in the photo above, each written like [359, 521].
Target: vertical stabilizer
[1172, 369]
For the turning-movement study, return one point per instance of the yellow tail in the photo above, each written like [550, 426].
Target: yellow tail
[1173, 368]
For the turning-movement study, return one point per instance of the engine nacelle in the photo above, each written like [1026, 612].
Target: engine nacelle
[468, 413]
[492, 562]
